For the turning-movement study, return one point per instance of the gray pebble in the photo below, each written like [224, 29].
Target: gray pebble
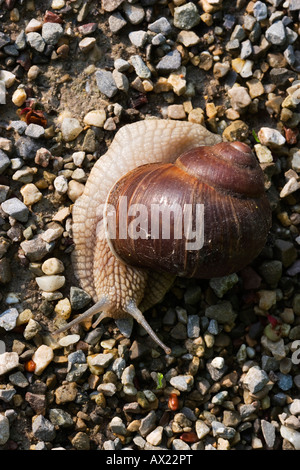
[121, 65]
[186, 16]
[221, 285]
[4, 39]
[221, 312]
[18, 379]
[238, 33]
[138, 38]
[255, 379]
[220, 430]
[16, 209]
[285, 381]
[170, 62]
[106, 83]
[216, 373]
[7, 394]
[79, 298]
[161, 25]
[134, 13]
[4, 429]
[26, 148]
[20, 41]
[294, 5]
[36, 41]
[60, 418]
[36, 248]
[276, 34]
[193, 328]
[117, 426]
[94, 336]
[35, 131]
[158, 39]
[268, 431]
[184, 383]
[260, 11]
[2, 92]
[246, 49]
[289, 55]
[140, 67]
[4, 161]
[178, 444]
[76, 357]
[116, 22]
[125, 326]
[8, 319]
[19, 126]
[52, 32]
[43, 429]
[147, 423]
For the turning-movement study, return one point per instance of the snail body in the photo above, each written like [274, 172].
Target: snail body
[148, 163]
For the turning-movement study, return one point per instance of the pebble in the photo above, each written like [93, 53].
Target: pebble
[140, 67]
[4, 162]
[61, 418]
[8, 362]
[239, 98]
[31, 194]
[106, 83]
[68, 340]
[268, 431]
[86, 44]
[43, 429]
[36, 41]
[134, 13]
[138, 38]
[186, 16]
[116, 22]
[16, 209]
[170, 62]
[276, 33]
[8, 319]
[4, 429]
[19, 97]
[176, 111]
[270, 137]
[255, 379]
[291, 435]
[52, 266]
[52, 32]
[155, 437]
[221, 312]
[223, 284]
[183, 383]
[35, 131]
[50, 283]
[70, 128]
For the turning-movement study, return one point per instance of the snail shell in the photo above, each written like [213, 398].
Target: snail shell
[120, 289]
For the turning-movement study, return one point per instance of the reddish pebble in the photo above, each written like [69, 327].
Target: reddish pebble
[173, 402]
[291, 135]
[189, 437]
[51, 17]
[30, 366]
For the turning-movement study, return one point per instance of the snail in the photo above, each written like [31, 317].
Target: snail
[148, 164]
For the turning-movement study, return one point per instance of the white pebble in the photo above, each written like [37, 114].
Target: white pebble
[52, 266]
[218, 362]
[291, 435]
[70, 128]
[42, 358]
[68, 340]
[50, 283]
[95, 118]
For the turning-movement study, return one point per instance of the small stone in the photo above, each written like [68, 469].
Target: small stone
[52, 266]
[155, 437]
[19, 97]
[8, 319]
[122, 84]
[239, 97]
[7, 77]
[79, 298]
[270, 137]
[147, 423]
[260, 11]
[222, 285]
[221, 312]
[70, 128]
[218, 362]
[87, 44]
[221, 69]
[75, 190]
[52, 32]
[291, 435]
[32, 329]
[8, 362]
[255, 379]
[2, 92]
[170, 62]
[116, 22]
[42, 358]
[117, 426]
[121, 65]
[4, 430]
[69, 340]
[81, 441]
[255, 88]
[36, 41]
[43, 429]
[50, 283]
[63, 308]
[61, 184]
[201, 429]
[106, 83]
[16, 209]
[60, 418]
[66, 393]
[186, 16]
[138, 38]
[31, 194]
[220, 430]
[134, 13]
[42, 157]
[193, 328]
[102, 360]
[276, 33]
[183, 383]
[176, 111]
[268, 431]
[161, 25]
[4, 162]
[140, 67]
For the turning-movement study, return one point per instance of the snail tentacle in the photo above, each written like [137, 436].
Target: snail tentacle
[102, 304]
[133, 310]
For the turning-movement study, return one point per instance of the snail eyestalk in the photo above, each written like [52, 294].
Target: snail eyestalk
[133, 310]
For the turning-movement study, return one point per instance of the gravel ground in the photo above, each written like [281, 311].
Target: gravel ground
[72, 72]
